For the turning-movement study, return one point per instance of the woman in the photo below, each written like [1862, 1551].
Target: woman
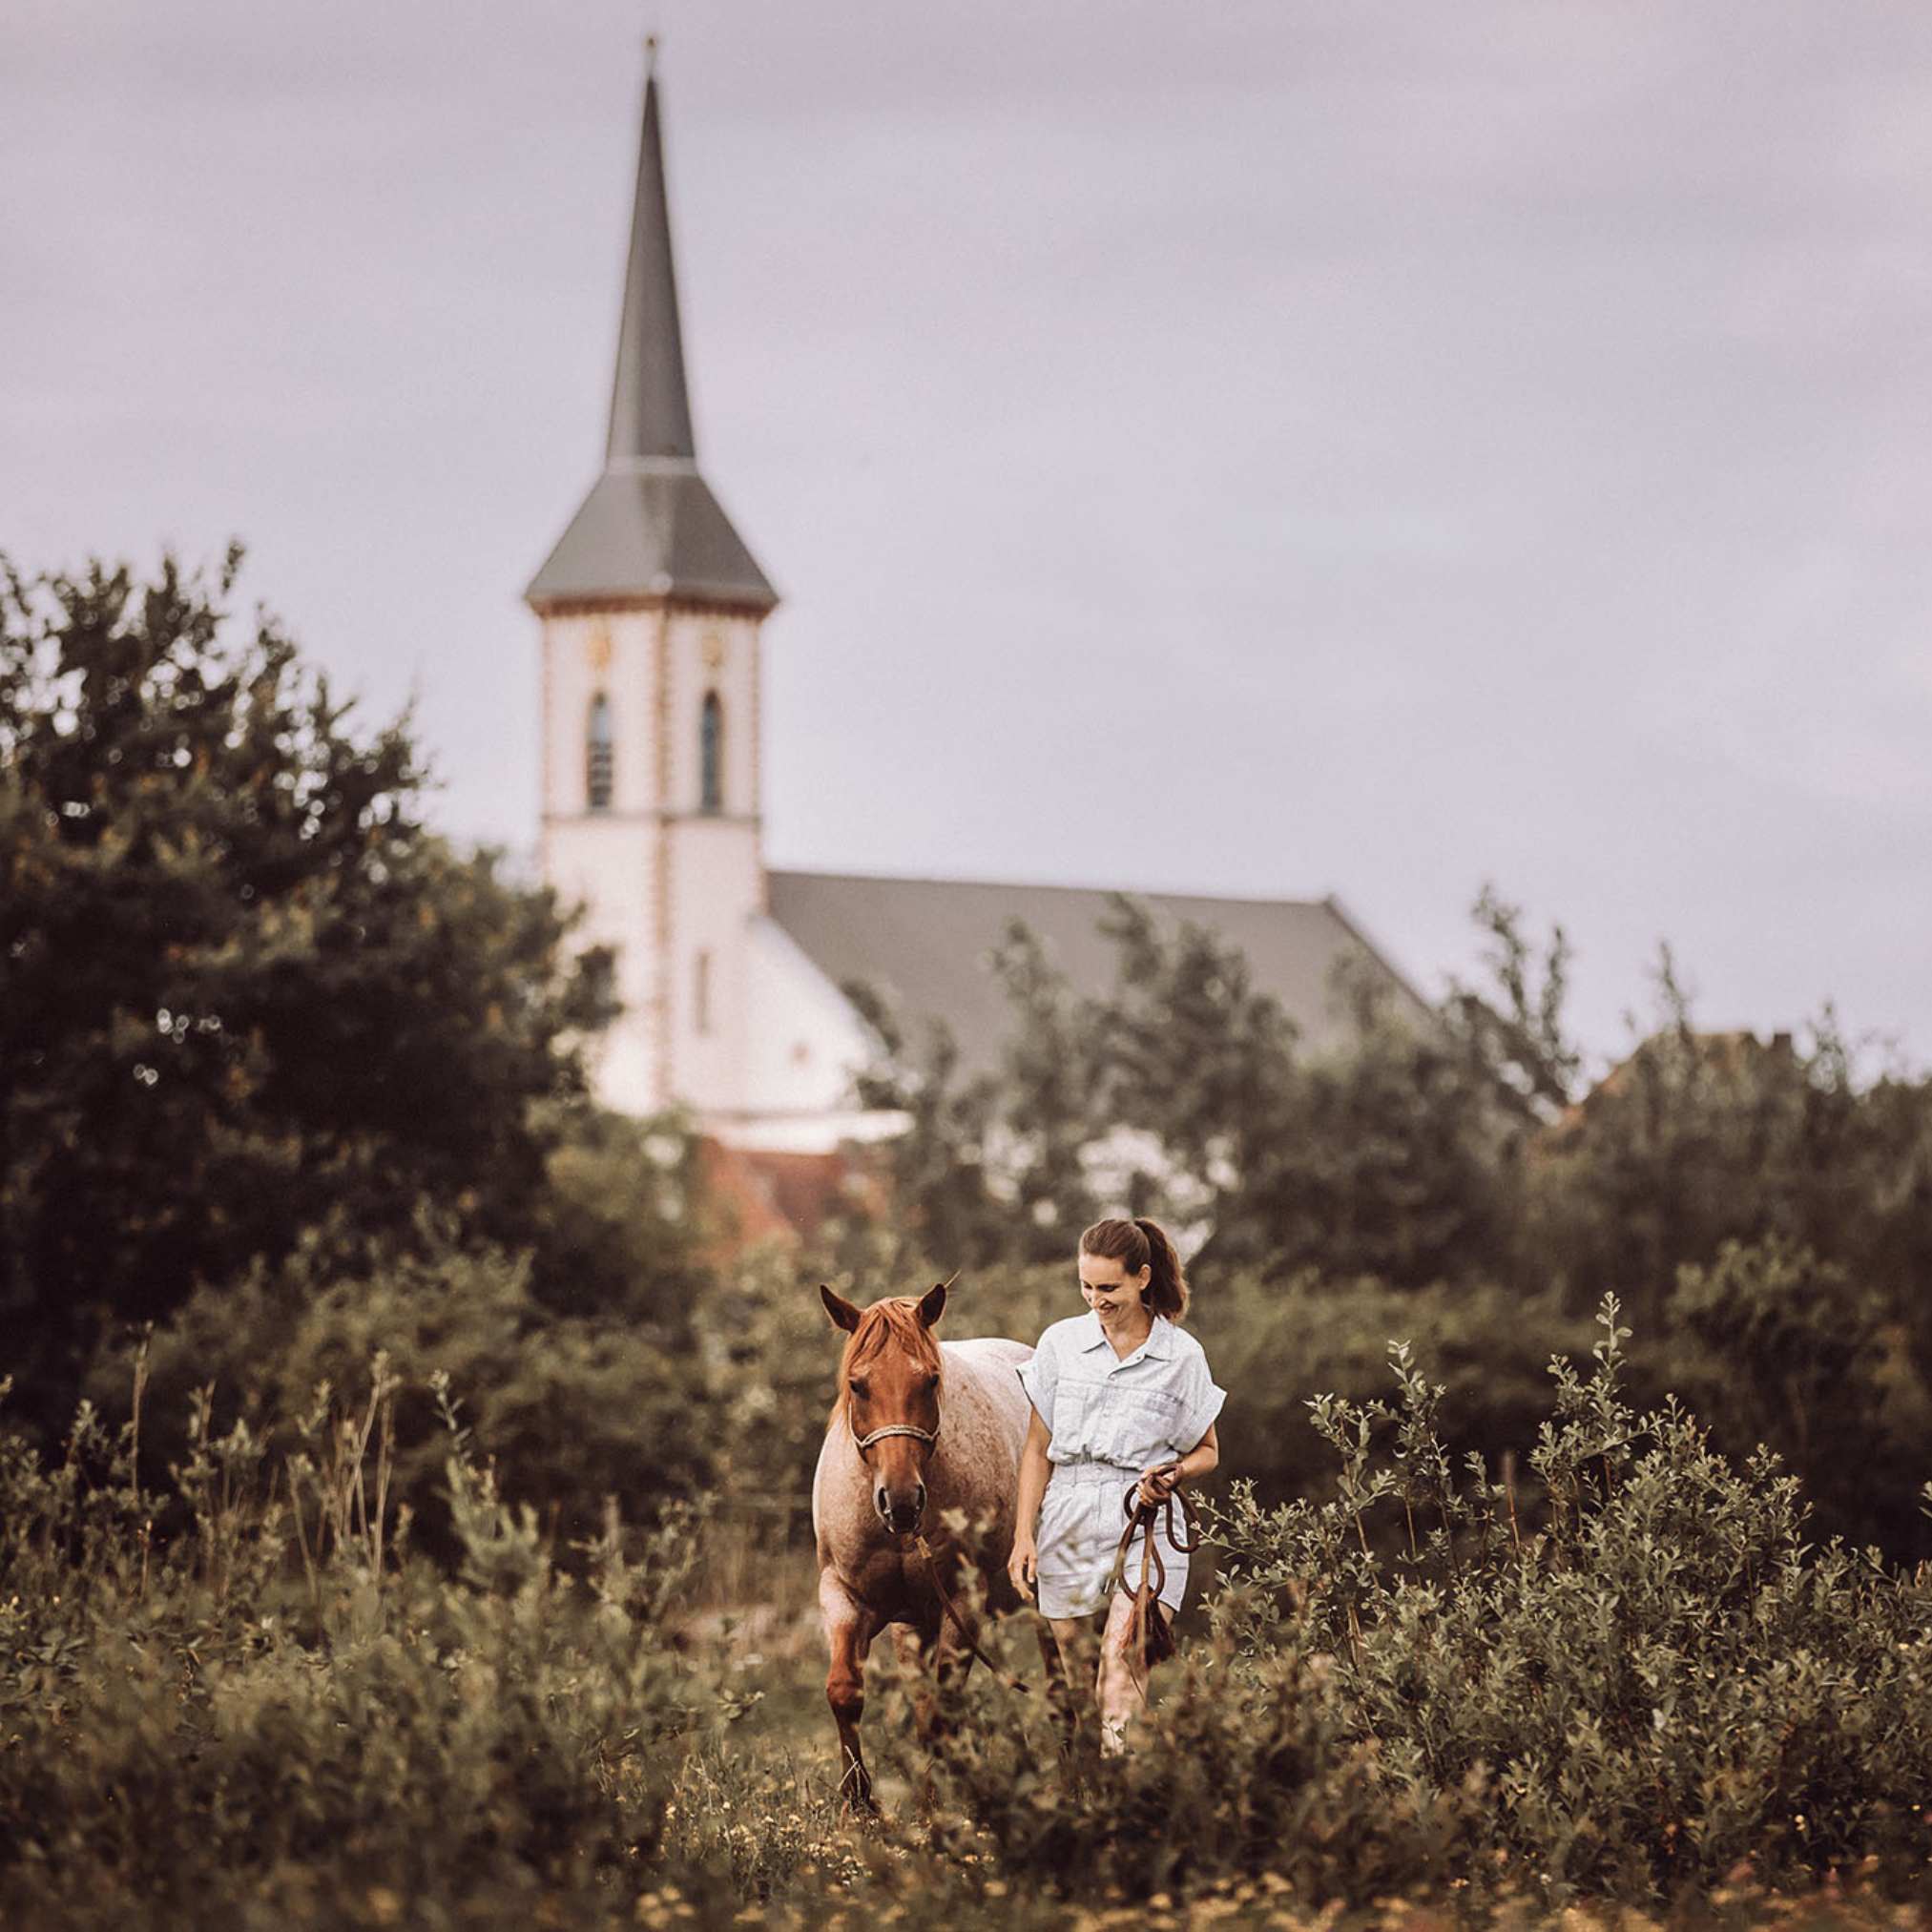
[1119, 1394]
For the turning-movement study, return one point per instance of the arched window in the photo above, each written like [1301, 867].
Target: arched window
[600, 758]
[700, 993]
[711, 755]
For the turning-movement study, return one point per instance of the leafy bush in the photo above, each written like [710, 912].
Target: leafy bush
[572, 1409]
[1238, 1772]
[1770, 1345]
[283, 1710]
[1660, 1683]
[1647, 1686]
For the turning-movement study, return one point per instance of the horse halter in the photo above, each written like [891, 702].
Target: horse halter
[926, 1436]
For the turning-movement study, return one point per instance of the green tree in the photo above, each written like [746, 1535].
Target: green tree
[243, 990]
[1181, 1090]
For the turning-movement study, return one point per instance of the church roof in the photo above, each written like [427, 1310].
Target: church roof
[924, 941]
[650, 527]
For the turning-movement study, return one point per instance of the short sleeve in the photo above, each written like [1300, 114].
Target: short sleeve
[1040, 1376]
[1201, 1400]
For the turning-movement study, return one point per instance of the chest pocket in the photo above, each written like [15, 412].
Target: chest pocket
[1136, 1423]
[1157, 1409]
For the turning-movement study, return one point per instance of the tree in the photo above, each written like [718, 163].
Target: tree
[1182, 1091]
[938, 1165]
[244, 991]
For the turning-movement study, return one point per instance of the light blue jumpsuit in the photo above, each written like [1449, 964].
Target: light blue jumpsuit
[1110, 1418]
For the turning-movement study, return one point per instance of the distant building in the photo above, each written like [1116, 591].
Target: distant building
[730, 972]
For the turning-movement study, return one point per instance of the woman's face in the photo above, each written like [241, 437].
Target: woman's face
[1108, 1289]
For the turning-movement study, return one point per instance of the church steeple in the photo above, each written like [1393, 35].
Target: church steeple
[650, 411]
[651, 527]
[651, 610]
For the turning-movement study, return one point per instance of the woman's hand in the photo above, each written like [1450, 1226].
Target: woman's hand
[1158, 1481]
[1022, 1567]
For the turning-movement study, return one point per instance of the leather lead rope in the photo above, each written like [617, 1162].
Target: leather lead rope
[960, 1623]
[1150, 1638]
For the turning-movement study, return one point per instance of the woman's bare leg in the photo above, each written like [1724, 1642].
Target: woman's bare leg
[1074, 1635]
[1116, 1692]
[1074, 1639]
[1117, 1688]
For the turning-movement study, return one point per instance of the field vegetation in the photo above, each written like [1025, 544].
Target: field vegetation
[403, 1469]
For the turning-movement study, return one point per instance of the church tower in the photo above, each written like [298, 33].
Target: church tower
[650, 606]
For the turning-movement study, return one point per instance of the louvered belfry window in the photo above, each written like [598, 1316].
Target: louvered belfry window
[711, 753]
[600, 757]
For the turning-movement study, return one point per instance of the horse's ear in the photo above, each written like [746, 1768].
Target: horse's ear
[842, 1313]
[932, 1305]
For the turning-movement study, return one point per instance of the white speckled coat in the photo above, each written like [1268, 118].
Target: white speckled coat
[1110, 1416]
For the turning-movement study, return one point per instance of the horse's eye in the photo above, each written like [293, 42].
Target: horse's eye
[860, 1390]
[931, 1384]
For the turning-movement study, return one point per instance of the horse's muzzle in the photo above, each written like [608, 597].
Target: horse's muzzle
[899, 1514]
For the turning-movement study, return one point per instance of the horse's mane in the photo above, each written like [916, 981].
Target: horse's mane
[896, 1319]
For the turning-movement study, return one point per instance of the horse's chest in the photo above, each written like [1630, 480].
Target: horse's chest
[895, 1586]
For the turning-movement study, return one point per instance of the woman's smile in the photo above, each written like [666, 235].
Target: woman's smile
[1118, 1303]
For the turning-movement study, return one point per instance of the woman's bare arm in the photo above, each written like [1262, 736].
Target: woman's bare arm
[1159, 1480]
[1024, 1565]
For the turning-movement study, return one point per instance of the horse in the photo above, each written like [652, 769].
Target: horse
[920, 1428]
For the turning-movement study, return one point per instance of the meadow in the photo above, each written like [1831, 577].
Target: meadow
[1629, 1686]
[402, 1459]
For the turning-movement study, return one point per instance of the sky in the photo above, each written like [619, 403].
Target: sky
[1268, 448]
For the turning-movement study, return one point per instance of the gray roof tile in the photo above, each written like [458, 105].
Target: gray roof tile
[652, 529]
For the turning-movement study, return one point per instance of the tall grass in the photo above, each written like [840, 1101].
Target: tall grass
[238, 1693]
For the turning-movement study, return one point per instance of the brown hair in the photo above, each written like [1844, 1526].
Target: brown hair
[1143, 1244]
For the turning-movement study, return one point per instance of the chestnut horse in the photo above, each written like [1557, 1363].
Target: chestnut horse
[920, 1428]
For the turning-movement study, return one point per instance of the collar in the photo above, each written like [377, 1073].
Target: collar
[1158, 1345]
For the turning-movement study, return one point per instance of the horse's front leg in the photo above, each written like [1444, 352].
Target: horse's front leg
[935, 1664]
[849, 1628]
[952, 1663]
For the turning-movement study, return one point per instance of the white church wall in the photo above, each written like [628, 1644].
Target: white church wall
[614, 653]
[803, 1044]
[606, 859]
[710, 651]
[714, 879]
[601, 862]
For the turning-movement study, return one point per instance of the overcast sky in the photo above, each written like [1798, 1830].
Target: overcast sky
[1261, 447]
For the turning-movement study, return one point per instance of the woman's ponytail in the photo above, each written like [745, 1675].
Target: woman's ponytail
[1167, 1293]
[1143, 1244]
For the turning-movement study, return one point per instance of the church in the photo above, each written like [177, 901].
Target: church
[731, 973]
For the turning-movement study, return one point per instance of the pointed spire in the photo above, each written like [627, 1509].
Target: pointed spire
[651, 527]
[650, 408]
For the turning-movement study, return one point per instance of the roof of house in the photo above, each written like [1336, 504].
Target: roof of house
[926, 942]
[650, 527]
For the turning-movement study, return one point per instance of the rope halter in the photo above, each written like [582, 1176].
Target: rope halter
[926, 1436]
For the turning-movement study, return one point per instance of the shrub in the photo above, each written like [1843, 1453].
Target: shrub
[1770, 1345]
[572, 1408]
[285, 1711]
[1246, 1766]
[1658, 1682]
